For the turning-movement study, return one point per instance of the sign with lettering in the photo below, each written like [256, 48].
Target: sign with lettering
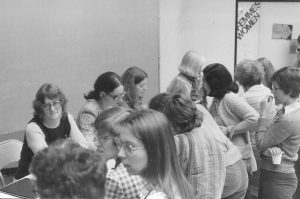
[248, 20]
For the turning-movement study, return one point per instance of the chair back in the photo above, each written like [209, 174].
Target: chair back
[10, 151]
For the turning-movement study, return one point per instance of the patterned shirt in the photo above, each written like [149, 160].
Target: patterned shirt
[150, 192]
[86, 118]
[154, 192]
[119, 184]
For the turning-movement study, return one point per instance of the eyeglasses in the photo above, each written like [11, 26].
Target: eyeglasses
[128, 148]
[56, 104]
[117, 97]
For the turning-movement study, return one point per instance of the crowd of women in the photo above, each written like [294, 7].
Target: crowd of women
[178, 146]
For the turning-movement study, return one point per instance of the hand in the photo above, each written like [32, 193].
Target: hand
[272, 151]
[224, 130]
[266, 105]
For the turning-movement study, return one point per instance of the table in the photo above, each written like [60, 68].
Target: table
[22, 188]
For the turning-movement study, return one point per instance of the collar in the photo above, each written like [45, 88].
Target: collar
[291, 107]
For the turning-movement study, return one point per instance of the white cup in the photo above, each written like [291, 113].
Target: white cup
[276, 159]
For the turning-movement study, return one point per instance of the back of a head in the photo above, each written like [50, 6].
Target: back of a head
[248, 73]
[219, 80]
[158, 102]
[105, 122]
[66, 170]
[191, 64]
[182, 113]
[105, 82]
[268, 70]
[288, 79]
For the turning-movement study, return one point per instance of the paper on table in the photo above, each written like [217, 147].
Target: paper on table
[4, 195]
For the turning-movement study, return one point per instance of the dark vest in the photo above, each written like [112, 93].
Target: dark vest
[51, 135]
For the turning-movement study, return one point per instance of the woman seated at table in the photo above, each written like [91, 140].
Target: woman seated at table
[108, 91]
[67, 170]
[148, 149]
[134, 80]
[50, 122]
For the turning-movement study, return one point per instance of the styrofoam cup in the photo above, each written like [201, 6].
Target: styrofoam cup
[276, 159]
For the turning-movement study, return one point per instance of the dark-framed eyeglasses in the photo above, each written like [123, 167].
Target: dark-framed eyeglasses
[128, 147]
[55, 104]
[117, 97]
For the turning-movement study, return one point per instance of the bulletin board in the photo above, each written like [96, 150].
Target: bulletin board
[272, 33]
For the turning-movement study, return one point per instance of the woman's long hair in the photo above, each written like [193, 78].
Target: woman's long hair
[131, 77]
[153, 130]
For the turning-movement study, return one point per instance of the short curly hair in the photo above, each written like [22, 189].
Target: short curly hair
[248, 73]
[66, 170]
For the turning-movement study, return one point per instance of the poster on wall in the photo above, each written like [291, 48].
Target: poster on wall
[282, 31]
[247, 30]
[247, 19]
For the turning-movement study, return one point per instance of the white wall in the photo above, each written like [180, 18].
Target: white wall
[206, 26]
[69, 43]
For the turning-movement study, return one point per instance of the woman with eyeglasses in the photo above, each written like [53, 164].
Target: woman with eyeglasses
[135, 81]
[281, 137]
[50, 122]
[119, 184]
[147, 148]
[108, 92]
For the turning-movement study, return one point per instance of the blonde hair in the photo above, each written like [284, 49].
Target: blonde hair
[191, 63]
